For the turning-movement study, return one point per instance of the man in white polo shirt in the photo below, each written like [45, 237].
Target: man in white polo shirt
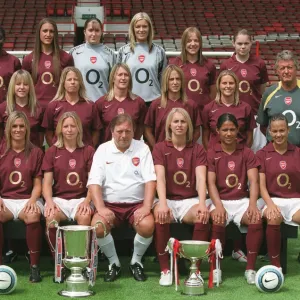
[122, 183]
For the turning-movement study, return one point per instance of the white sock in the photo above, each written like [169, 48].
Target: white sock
[140, 244]
[107, 246]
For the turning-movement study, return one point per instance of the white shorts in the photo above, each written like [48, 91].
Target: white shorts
[288, 208]
[236, 209]
[16, 206]
[259, 140]
[68, 207]
[180, 208]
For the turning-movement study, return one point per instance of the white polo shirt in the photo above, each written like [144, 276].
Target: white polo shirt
[122, 176]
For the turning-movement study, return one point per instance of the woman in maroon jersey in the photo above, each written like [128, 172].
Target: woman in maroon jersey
[71, 96]
[21, 97]
[120, 100]
[21, 186]
[279, 177]
[46, 62]
[172, 95]
[66, 166]
[252, 73]
[227, 100]
[181, 164]
[230, 167]
[9, 64]
[200, 73]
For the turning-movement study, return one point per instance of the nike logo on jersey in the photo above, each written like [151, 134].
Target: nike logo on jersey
[268, 158]
[168, 153]
[214, 110]
[56, 157]
[58, 108]
[109, 162]
[78, 53]
[107, 106]
[277, 96]
[159, 107]
[216, 158]
[229, 69]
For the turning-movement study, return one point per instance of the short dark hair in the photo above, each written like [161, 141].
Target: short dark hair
[120, 119]
[227, 117]
[279, 117]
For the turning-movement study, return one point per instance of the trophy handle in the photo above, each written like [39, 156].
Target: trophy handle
[103, 226]
[56, 225]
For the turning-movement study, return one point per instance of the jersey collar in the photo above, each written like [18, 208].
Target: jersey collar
[218, 147]
[170, 144]
[270, 147]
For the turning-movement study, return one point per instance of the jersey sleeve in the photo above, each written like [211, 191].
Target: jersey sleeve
[260, 156]
[142, 111]
[262, 115]
[157, 154]
[151, 115]
[211, 161]
[48, 163]
[212, 73]
[205, 116]
[162, 63]
[39, 155]
[196, 115]
[251, 160]
[97, 171]
[147, 166]
[89, 157]
[48, 119]
[97, 124]
[27, 63]
[201, 159]
[264, 77]
[17, 64]
[251, 119]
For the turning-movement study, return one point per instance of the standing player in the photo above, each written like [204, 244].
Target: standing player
[46, 61]
[21, 186]
[227, 100]
[172, 95]
[94, 60]
[66, 167]
[9, 64]
[122, 185]
[145, 59]
[200, 73]
[252, 74]
[71, 96]
[180, 166]
[230, 167]
[283, 97]
[21, 97]
[279, 183]
[120, 100]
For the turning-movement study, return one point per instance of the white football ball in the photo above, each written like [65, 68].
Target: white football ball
[269, 279]
[8, 280]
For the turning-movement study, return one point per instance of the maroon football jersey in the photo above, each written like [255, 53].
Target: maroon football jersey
[45, 86]
[251, 74]
[282, 171]
[180, 168]
[107, 110]
[231, 170]
[243, 113]
[85, 110]
[70, 170]
[157, 116]
[17, 173]
[198, 79]
[34, 121]
[8, 65]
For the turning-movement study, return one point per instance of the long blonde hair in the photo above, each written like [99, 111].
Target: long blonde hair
[17, 77]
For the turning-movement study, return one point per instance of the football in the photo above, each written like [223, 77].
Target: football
[8, 280]
[269, 279]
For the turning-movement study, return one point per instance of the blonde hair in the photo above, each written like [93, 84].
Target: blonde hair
[185, 114]
[165, 85]
[111, 93]
[9, 124]
[60, 94]
[137, 17]
[60, 139]
[17, 77]
[236, 81]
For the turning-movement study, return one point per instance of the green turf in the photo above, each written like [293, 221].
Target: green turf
[233, 287]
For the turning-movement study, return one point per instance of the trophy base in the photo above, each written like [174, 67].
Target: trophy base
[73, 294]
[193, 290]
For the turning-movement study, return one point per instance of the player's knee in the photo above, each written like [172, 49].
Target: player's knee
[145, 227]
[32, 218]
[83, 219]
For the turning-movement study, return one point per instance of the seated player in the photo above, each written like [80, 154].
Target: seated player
[122, 185]
[230, 167]
[180, 166]
[21, 186]
[279, 176]
[66, 166]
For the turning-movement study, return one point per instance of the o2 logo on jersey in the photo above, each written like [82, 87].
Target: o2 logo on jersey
[180, 162]
[72, 163]
[288, 100]
[47, 64]
[17, 162]
[244, 72]
[136, 161]
[141, 58]
[193, 71]
[231, 165]
[93, 59]
[282, 164]
[121, 111]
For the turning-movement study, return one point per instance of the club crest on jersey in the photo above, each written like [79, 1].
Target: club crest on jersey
[72, 163]
[244, 72]
[288, 100]
[282, 164]
[121, 111]
[136, 161]
[17, 162]
[180, 162]
[193, 71]
[231, 165]
[141, 58]
[47, 64]
[93, 59]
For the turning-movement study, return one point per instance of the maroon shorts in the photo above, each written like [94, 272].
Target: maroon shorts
[123, 211]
